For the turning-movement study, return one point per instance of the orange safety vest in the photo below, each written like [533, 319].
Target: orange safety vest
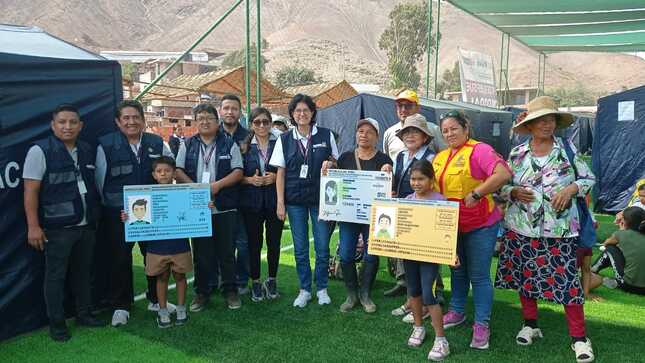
[455, 182]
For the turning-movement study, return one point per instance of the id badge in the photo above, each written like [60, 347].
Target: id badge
[81, 187]
[303, 171]
[206, 177]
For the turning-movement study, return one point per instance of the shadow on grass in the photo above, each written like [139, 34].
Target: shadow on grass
[276, 331]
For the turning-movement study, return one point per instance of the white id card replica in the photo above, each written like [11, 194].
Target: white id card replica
[303, 171]
[81, 187]
[206, 177]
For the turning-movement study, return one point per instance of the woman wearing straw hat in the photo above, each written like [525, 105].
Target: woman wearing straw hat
[538, 251]
[468, 172]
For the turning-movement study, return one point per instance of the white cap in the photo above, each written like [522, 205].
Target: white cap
[369, 121]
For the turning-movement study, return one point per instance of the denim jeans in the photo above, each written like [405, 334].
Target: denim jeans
[241, 252]
[475, 250]
[348, 240]
[298, 218]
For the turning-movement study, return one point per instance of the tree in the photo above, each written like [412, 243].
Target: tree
[238, 58]
[450, 81]
[405, 42]
[128, 71]
[578, 95]
[295, 75]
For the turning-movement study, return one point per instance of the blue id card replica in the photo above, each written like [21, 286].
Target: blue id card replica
[167, 211]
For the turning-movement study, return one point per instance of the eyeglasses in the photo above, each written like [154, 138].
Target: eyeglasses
[303, 111]
[261, 122]
[206, 119]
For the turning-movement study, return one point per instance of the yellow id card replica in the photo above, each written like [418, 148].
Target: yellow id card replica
[418, 230]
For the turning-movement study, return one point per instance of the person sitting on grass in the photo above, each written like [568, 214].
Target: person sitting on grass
[634, 202]
[165, 256]
[625, 253]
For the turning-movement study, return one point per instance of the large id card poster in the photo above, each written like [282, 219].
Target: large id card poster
[167, 211]
[347, 195]
[414, 230]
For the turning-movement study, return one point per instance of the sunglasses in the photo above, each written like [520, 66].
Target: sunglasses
[261, 122]
[405, 106]
[453, 114]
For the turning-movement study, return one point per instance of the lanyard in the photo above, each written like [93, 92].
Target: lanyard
[304, 149]
[207, 157]
[264, 156]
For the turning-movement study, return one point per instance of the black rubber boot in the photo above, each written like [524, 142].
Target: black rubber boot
[367, 280]
[58, 331]
[351, 284]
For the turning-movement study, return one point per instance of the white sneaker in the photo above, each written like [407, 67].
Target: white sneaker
[120, 317]
[303, 297]
[584, 352]
[323, 297]
[440, 350]
[409, 318]
[155, 307]
[527, 334]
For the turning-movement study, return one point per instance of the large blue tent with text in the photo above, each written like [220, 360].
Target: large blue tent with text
[38, 72]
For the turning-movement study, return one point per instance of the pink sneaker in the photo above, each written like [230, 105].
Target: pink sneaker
[481, 334]
[452, 318]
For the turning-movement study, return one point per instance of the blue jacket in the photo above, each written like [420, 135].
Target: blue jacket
[304, 191]
[60, 203]
[257, 198]
[122, 166]
[227, 198]
[401, 183]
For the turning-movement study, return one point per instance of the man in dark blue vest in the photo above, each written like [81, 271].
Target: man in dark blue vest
[212, 157]
[231, 112]
[61, 205]
[125, 157]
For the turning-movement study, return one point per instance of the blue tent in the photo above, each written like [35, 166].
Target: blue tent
[37, 73]
[490, 125]
[618, 155]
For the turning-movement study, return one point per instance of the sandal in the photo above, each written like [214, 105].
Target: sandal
[527, 334]
[584, 352]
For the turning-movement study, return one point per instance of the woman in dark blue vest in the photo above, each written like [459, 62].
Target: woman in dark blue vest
[258, 203]
[299, 156]
[417, 137]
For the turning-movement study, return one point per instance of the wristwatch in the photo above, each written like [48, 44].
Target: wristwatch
[476, 196]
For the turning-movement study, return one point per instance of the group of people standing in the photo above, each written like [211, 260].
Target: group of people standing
[258, 178]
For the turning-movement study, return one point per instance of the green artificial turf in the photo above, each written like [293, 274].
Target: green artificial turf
[276, 332]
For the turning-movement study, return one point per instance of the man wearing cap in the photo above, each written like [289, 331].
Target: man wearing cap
[365, 157]
[407, 103]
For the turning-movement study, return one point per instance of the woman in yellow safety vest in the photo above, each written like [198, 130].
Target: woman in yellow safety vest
[468, 172]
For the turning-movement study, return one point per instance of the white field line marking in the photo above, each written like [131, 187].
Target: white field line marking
[192, 279]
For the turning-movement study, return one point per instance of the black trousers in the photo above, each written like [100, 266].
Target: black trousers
[208, 251]
[120, 287]
[68, 249]
[256, 224]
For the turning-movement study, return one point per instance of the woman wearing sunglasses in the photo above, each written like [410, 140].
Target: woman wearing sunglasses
[258, 203]
[468, 172]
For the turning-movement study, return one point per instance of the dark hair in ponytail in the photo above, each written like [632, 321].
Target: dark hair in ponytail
[635, 219]
[244, 145]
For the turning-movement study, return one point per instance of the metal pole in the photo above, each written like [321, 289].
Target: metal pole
[429, 47]
[436, 48]
[258, 56]
[541, 73]
[247, 60]
[196, 43]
